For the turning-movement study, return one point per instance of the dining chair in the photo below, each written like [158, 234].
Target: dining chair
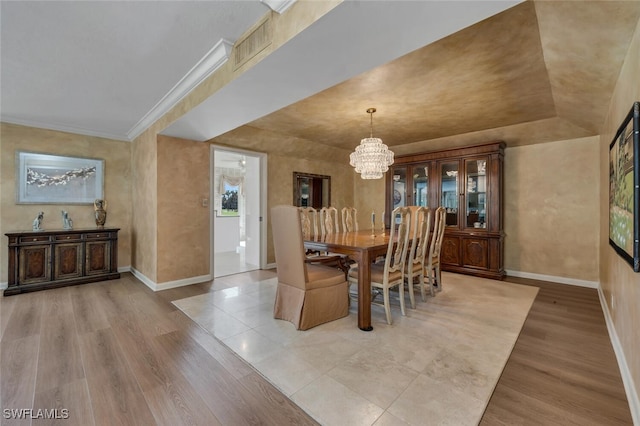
[329, 221]
[307, 294]
[432, 275]
[309, 222]
[349, 219]
[389, 274]
[418, 249]
[309, 227]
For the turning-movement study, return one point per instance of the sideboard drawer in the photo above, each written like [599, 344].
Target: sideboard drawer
[68, 237]
[34, 239]
[97, 235]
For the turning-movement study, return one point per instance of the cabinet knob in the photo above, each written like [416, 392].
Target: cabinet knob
[68, 237]
[35, 239]
[98, 236]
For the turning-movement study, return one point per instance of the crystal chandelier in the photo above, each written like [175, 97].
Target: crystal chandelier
[371, 158]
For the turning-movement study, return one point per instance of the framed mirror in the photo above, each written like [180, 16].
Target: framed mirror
[311, 190]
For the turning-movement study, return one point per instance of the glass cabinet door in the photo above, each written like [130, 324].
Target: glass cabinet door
[449, 191]
[399, 192]
[476, 200]
[420, 175]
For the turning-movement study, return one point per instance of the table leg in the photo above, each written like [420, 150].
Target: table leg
[364, 292]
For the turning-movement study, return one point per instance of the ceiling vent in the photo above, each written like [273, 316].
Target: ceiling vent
[253, 43]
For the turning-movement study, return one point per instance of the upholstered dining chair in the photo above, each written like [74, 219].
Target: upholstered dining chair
[307, 294]
[349, 219]
[419, 247]
[389, 274]
[329, 221]
[432, 276]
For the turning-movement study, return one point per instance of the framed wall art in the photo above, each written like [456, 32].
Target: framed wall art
[54, 179]
[624, 188]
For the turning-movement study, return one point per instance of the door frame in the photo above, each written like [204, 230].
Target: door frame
[262, 157]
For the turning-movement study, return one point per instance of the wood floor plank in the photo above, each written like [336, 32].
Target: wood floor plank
[90, 315]
[18, 361]
[71, 403]
[59, 359]
[115, 395]
[6, 308]
[26, 316]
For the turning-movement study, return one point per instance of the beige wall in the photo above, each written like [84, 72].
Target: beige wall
[280, 180]
[183, 223]
[117, 185]
[551, 209]
[620, 285]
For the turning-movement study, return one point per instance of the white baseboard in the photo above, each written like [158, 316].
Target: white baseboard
[169, 284]
[552, 278]
[627, 378]
[270, 266]
[4, 285]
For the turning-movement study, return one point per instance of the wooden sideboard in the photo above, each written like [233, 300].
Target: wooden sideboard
[47, 259]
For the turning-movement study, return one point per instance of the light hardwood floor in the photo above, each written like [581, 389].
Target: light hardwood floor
[117, 353]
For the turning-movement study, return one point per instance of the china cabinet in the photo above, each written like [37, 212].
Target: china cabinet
[468, 183]
[46, 259]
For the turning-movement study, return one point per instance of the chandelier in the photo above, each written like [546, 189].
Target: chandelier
[371, 158]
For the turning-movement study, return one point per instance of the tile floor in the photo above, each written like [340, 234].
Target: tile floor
[231, 262]
[437, 365]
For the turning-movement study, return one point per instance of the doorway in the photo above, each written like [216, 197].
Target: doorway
[238, 188]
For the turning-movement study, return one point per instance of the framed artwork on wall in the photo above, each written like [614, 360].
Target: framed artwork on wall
[624, 188]
[54, 179]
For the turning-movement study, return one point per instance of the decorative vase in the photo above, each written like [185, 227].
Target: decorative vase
[100, 212]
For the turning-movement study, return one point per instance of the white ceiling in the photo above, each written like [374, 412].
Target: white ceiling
[98, 68]
[104, 68]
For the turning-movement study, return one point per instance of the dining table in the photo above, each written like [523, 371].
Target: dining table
[363, 247]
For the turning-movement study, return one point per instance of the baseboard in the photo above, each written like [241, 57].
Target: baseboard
[169, 284]
[627, 378]
[270, 266]
[554, 279]
[3, 286]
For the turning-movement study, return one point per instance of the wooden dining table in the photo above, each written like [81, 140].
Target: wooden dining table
[362, 247]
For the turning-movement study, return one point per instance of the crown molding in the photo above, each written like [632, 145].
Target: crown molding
[210, 62]
[278, 6]
[63, 128]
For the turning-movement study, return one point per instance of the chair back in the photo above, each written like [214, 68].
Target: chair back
[329, 221]
[438, 232]
[397, 249]
[288, 245]
[349, 219]
[420, 236]
[309, 222]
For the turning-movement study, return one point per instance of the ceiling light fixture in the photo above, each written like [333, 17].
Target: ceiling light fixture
[371, 158]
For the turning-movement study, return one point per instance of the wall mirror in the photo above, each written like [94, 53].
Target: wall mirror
[311, 190]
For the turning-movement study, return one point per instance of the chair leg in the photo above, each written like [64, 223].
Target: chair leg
[387, 309]
[438, 277]
[401, 291]
[431, 282]
[410, 287]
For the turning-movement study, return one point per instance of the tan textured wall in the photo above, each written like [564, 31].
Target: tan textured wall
[183, 224]
[551, 211]
[117, 185]
[280, 184]
[620, 285]
[145, 205]
[369, 196]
